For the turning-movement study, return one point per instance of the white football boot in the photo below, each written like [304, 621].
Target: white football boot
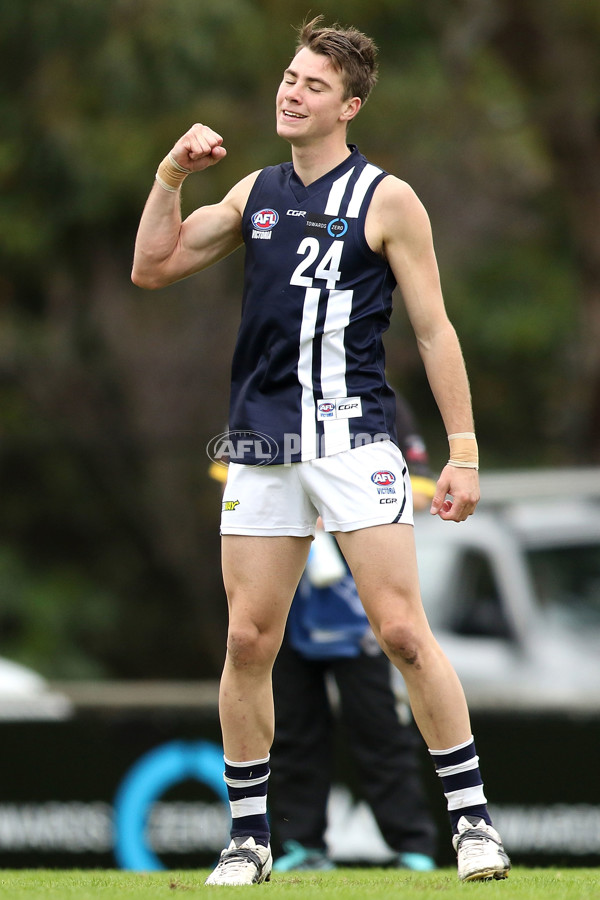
[243, 862]
[479, 849]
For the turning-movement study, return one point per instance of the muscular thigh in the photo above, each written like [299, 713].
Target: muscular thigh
[383, 562]
[260, 576]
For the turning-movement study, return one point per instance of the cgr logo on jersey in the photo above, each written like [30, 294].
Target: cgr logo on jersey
[263, 223]
[383, 478]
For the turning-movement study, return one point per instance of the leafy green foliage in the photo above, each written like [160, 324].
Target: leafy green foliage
[108, 397]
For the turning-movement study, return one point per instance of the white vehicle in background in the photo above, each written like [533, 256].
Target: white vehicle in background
[25, 695]
[513, 593]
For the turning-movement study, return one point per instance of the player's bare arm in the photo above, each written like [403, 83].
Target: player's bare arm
[168, 249]
[400, 229]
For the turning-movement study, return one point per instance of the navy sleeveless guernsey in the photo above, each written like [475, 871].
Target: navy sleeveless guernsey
[308, 367]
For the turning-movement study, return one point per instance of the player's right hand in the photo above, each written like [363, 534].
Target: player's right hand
[199, 148]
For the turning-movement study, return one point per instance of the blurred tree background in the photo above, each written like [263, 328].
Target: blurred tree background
[109, 548]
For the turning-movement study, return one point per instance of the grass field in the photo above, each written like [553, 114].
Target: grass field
[343, 884]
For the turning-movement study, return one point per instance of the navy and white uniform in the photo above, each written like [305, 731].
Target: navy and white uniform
[308, 368]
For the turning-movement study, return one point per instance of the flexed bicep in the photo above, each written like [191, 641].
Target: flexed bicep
[168, 249]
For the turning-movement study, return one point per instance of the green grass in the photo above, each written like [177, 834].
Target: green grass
[345, 884]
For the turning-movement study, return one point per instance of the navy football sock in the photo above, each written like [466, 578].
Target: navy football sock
[247, 788]
[458, 767]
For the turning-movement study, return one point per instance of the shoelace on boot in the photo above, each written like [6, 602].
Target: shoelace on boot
[238, 859]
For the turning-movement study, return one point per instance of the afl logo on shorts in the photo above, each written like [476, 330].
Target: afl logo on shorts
[265, 219]
[382, 479]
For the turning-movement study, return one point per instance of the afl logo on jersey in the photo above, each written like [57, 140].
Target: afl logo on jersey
[326, 410]
[265, 219]
[383, 478]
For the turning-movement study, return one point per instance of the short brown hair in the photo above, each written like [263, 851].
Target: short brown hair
[351, 52]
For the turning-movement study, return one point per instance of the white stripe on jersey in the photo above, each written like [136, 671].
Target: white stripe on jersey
[333, 353]
[333, 367]
[366, 177]
[308, 426]
[336, 194]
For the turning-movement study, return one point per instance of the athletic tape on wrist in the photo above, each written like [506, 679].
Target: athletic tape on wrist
[464, 453]
[170, 174]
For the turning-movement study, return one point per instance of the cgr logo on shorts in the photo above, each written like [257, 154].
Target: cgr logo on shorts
[383, 478]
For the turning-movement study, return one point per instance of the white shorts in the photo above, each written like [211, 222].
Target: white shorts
[350, 490]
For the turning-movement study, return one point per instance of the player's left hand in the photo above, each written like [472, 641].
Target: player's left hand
[456, 495]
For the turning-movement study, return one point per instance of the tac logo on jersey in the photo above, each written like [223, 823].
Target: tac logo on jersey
[263, 222]
[383, 478]
[320, 225]
[337, 228]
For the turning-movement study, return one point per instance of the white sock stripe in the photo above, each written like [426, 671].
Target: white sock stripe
[451, 749]
[472, 763]
[472, 796]
[243, 765]
[249, 806]
[244, 782]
